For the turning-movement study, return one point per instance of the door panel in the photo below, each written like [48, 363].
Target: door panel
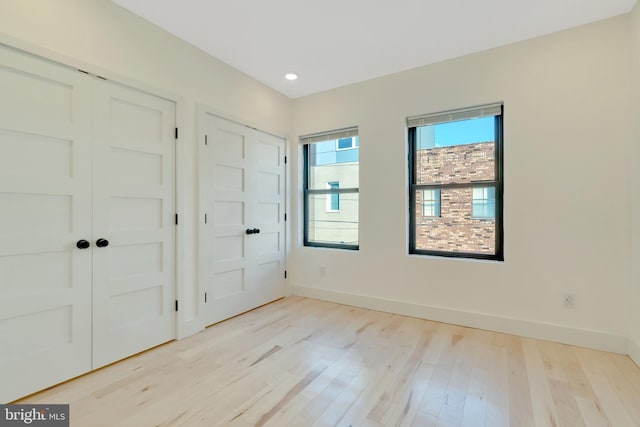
[225, 265]
[269, 210]
[81, 158]
[45, 208]
[133, 278]
[243, 188]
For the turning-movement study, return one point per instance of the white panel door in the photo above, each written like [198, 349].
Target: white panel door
[267, 213]
[243, 191]
[45, 209]
[133, 277]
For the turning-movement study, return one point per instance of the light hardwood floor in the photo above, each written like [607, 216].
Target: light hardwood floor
[302, 362]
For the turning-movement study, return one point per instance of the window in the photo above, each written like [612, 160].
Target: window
[333, 199]
[331, 181]
[484, 202]
[347, 143]
[455, 172]
[431, 202]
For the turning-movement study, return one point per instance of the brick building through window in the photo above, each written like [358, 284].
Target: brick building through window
[455, 228]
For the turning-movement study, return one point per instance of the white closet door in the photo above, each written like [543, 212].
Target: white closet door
[242, 190]
[133, 277]
[267, 207]
[45, 208]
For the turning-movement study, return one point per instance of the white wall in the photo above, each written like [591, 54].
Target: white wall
[567, 139]
[634, 336]
[102, 37]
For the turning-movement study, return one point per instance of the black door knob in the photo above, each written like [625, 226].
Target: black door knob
[102, 243]
[82, 244]
[256, 231]
[250, 231]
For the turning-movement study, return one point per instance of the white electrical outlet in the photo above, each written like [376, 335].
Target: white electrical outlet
[569, 300]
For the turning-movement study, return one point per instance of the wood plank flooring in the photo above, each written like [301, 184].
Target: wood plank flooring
[302, 362]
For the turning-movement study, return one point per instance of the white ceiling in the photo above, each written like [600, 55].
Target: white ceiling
[332, 43]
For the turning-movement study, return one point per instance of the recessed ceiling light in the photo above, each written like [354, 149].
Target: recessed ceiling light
[291, 76]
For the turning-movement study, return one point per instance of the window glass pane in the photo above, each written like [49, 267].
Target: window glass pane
[333, 227]
[484, 209]
[327, 164]
[333, 200]
[484, 202]
[491, 193]
[455, 230]
[345, 143]
[478, 193]
[456, 152]
[430, 202]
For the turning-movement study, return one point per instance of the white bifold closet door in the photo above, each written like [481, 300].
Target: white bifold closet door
[133, 209]
[45, 208]
[80, 159]
[243, 194]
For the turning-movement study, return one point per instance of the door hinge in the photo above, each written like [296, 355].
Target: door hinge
[176, 305]
[176, 133]
[285, 217]
[176, 219]
[285, 160]
[206, 139]
[285, 274]
[205, 297]
[205, 218]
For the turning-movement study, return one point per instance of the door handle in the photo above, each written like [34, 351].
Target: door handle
[82, 244]
[102, 243]
[256, 231]
[250, 231]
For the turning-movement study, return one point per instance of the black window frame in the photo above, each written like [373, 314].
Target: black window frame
[498, 183]
[307, 192]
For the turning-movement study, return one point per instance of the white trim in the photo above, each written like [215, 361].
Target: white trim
[527, 328]
[455, 115]
[184, 326]
[201, 113]
[77, 64]
[634, 351]
[205, 108]
[329, 135]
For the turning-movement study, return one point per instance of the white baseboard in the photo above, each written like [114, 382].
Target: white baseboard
[539, 330]
[634, 351]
